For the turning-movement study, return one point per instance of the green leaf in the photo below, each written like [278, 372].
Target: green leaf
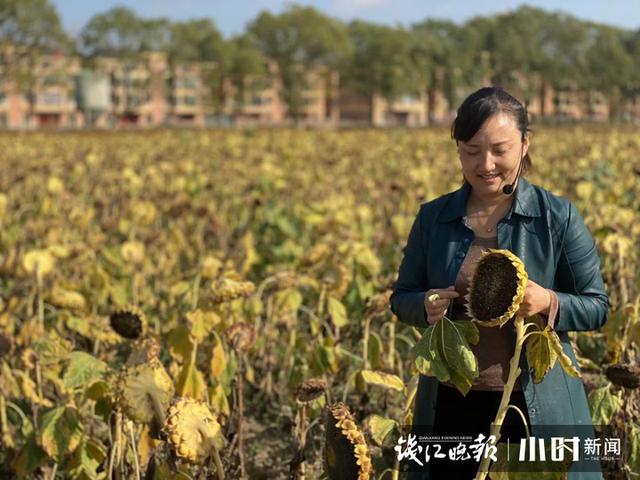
[382, 379]
[61, 431]
[444, 352]
[337, 311]
[376, 350]
[634, 451]
[31, 457]
[52, 349]
[540, 354]
[83, 370]
[180, 345]
[604, 405]
[87, 459]
[379, 427]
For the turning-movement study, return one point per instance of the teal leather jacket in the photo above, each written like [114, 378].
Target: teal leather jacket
[559, 253]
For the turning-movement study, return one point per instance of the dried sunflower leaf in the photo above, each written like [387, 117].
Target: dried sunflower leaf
[565, 361]
[444, 352]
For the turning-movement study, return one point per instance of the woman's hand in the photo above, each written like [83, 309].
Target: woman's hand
[537, 299]
[437, 309]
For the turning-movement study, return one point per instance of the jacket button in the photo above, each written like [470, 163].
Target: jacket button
[532, 411]
[460, 255]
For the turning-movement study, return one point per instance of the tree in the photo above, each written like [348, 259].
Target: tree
[120, 32]
[246, 62]
[28, 29]
[381, 62]
[200, 41]
[441, 52]
[300, 38]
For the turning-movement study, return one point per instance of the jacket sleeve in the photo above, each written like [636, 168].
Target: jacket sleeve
[407, 298]
[583, 303]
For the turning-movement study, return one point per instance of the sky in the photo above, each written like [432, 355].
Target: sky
[232, 16]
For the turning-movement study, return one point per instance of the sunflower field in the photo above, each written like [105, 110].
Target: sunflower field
[180, 304]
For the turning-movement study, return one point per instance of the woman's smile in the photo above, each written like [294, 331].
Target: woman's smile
[490, 179]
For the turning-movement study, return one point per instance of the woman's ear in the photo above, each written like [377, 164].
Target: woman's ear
[525, 145]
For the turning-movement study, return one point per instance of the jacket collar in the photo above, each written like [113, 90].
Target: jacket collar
[525, 202]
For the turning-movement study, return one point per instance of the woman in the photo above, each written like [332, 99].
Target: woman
[496, 207]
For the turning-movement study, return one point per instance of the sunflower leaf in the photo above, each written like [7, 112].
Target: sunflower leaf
[444, 352]
[540, 354]
[565, 361]
[604, 404]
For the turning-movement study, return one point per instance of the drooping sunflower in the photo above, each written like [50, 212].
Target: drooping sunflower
[497, 288]
[346, 455]
[241, 336]
[128, 321]
[143, 350]
[145, 391]
[192, 430]
[227, 289]
[311, 389]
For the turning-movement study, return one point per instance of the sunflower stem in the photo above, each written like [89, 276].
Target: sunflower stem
[535, 332]
[514, 372]
[239, 381]
[365, 342]
[134, 450]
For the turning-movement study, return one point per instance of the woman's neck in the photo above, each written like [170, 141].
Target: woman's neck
[488, 205]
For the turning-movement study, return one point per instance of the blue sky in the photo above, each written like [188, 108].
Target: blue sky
[231, 16]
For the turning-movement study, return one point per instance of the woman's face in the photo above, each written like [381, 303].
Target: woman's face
[490, 158]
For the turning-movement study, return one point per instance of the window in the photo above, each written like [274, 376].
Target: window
[51, 98]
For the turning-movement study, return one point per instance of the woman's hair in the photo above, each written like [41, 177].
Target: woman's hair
[481, 105]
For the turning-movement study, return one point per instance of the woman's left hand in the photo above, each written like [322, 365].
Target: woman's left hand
[537, 299]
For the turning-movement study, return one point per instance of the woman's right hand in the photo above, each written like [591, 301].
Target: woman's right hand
[436, 310]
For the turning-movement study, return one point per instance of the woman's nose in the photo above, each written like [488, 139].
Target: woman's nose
[486, 161]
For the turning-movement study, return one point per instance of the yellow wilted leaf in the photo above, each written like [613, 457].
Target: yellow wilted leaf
[382, 379]
[146, 446]
[39, 262]
[55, 185]
[218, 361]
[190, 382]
[132, 252]
[201, 323]
[218, 400]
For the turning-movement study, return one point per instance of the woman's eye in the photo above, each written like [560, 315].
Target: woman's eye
[500, 152]
[473, 152]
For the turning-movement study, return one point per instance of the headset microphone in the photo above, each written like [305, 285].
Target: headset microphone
[508, 189]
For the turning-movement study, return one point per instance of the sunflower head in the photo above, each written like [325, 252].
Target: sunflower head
[145, 391]
[345, 454]
[129, 322]
[227, 289]
[241, 336]
[144, 350]
[624, 375]
[497, 287]
[191, 430]
[310, 389]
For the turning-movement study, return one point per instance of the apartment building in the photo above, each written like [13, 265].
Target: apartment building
[39, 95]
[150, 90]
